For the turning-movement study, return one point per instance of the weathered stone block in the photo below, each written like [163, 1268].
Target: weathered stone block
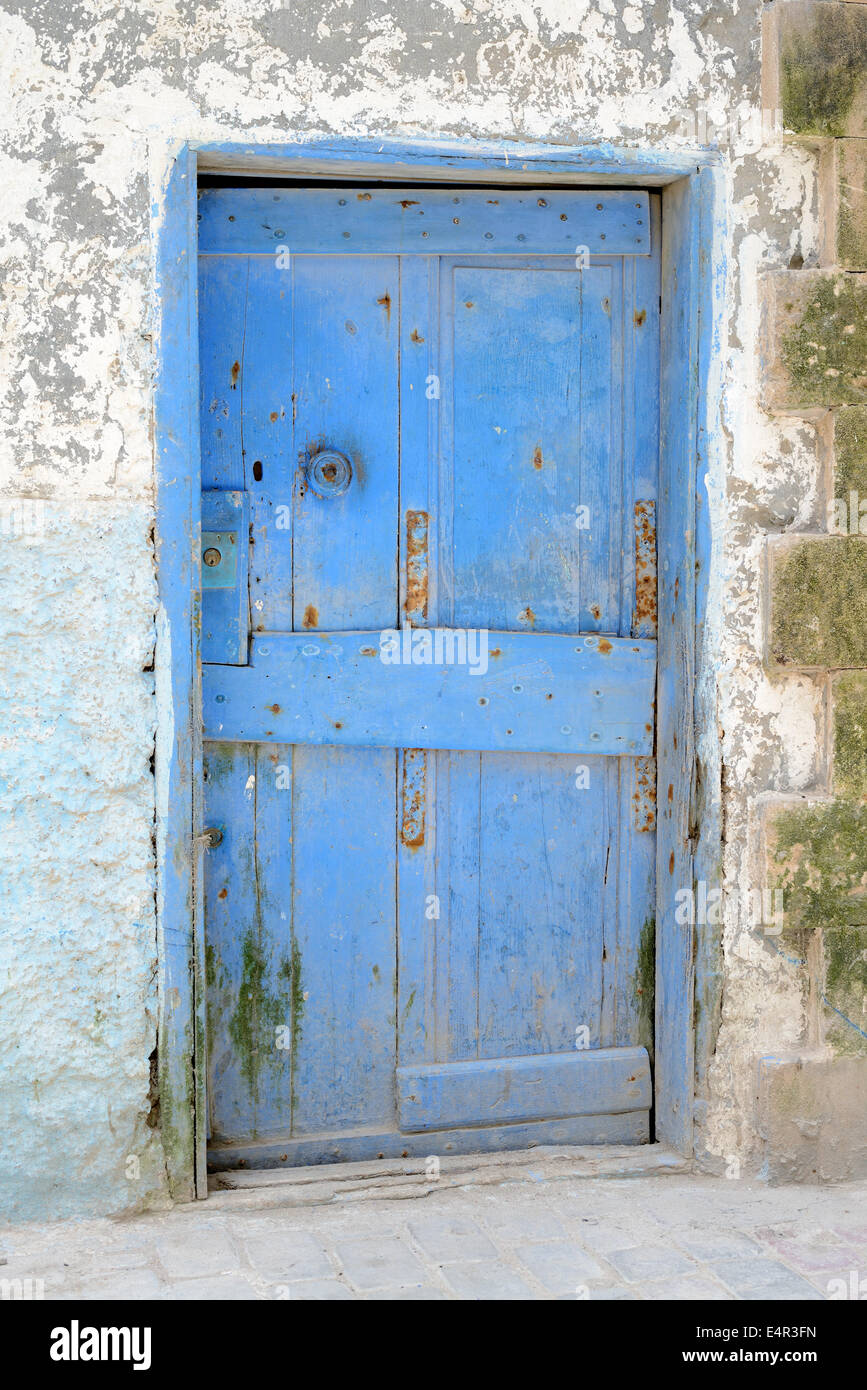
[850, 455]
[818, 592]
[822, 55]
[816, 854]
[850, 735]
[815, 350]
[813, 1117]
[844, 993]
[850, 177]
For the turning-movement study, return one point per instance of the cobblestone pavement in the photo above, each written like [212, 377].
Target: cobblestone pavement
[672, 1237]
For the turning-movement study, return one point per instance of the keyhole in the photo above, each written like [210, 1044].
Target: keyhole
[212, 557]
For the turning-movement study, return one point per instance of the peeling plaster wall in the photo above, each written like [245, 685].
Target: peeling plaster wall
[94, 93]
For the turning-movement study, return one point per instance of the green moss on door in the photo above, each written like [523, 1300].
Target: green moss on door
[266, 1019]
[644, 983]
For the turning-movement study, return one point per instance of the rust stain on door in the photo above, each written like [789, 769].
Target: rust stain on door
[413, 798]
[644, 795]
[644, 616]
[415, 603]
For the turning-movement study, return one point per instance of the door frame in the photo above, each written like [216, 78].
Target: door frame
[687, 972]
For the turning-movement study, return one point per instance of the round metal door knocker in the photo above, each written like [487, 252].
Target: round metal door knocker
[329, 473]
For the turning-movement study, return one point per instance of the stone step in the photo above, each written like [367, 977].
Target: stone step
[407, 1178]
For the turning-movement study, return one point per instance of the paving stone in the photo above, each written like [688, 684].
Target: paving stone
[808, 1257]
[43, 1281]
[602, 1236]
[224, 1286]
[446, 1238]
[197, 1251]
[288, 1255]
[784, 1293]
[486, 1279]
[370, 1262]
[141, 1255]
[322, 1290]
[607, 1293]
[854, 1234]
[425, 1294]
[716, 1245]
[753, 1278]
[536, 1222]
[771, 1234]
[559, 1266]
[685, 1286]
[645, 1262]
[123, 1283]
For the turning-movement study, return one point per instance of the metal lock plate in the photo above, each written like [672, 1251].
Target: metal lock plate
[219, 573]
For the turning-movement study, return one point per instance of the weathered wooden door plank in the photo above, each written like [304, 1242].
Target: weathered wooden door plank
[548, 1086]
[423, 221]
[544, 692]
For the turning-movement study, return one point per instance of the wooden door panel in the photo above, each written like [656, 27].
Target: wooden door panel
[531, 426]
[346, 390]
[343, 920]
[542, 854]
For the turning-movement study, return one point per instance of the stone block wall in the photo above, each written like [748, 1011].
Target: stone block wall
[813, 1102]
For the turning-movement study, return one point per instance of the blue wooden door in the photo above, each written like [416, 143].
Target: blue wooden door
[429, 432]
